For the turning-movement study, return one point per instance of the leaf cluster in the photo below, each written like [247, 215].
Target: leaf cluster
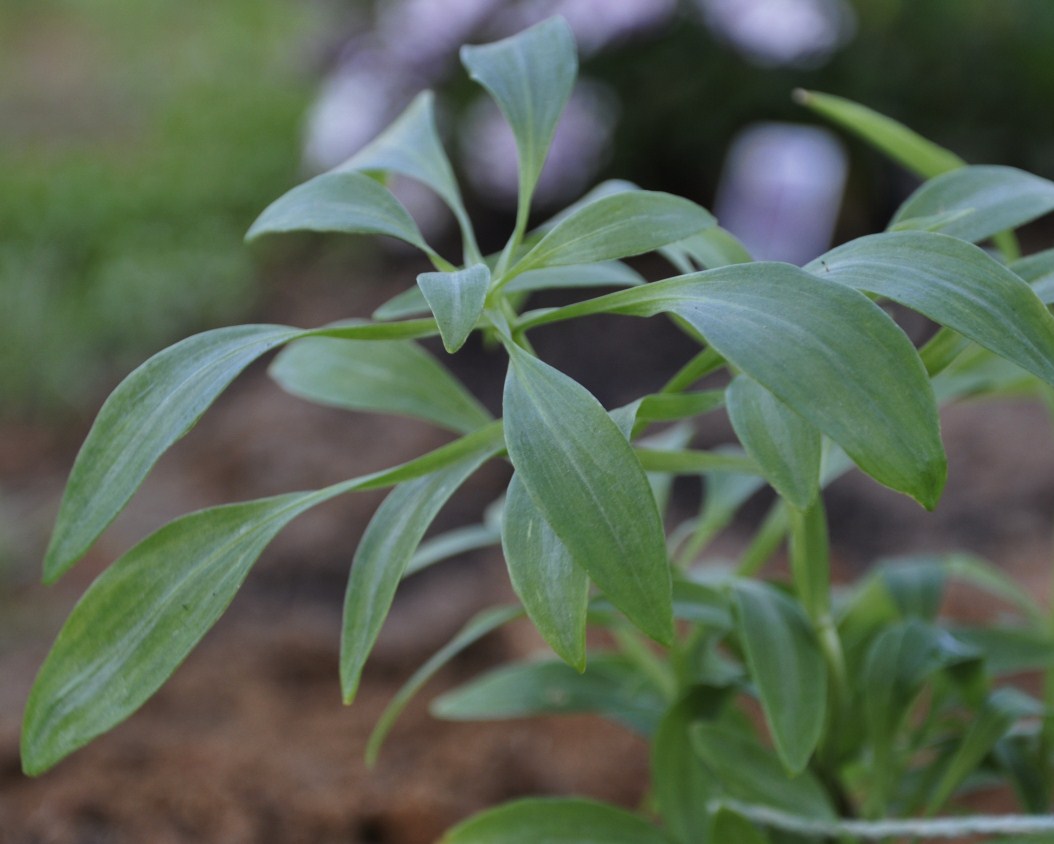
[773, 708]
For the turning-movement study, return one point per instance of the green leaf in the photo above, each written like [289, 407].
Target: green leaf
[787, 667]
[799, 336]
[730, 827]
[107, 661]
[390, 376]
[782, 443]
[352, 203]
[1009, 650]
[681, 785]
[554, 591]
[555, 821]
[669, 407]
[457, 300]
[752, 773]
[998, 198]
[955, 284]
[603, 274]
[477, 627]
[710, 249]
[583, 475]
[916, 585]
[530, 76]
[1002, 708]
[898, 662]
[452, 544]
[390, 540]
[617, 226]
[896, 140]
[410, 146]
[151, 409]
[612, 685]
[140, 619]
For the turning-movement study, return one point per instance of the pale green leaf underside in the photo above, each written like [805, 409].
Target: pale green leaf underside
[787, 668]
[555, 821]
[385, 550]
[554, 591]
[347, 202]
[921, 156]
[824, 350]
[617, 226]
[392, 376]
[955, 284]
[583, 475]
[997, 199]
[456, 299]
[530, 76]
[782, 443]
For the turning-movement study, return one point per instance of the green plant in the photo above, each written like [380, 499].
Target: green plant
[872, 712]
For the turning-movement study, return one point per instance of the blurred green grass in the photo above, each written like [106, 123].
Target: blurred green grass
[138, 139]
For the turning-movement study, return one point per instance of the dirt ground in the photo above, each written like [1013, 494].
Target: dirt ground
[249, 741]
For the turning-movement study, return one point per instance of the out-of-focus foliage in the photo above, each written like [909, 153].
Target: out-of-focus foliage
[139, 138]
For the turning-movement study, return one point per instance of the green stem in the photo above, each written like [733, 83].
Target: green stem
[765, 542]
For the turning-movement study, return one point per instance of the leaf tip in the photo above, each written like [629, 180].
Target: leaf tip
[802, 97]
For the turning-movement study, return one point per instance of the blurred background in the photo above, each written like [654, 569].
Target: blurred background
[139, 139]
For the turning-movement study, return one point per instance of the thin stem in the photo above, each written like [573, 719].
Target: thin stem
[765, 542]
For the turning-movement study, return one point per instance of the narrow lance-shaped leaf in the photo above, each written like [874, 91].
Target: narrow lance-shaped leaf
[787, 668]
[829, 354]
[530, 76]
[750, 772]
[582, 473]
[782, 443]
[555, 821]
[477, 627]
[955, 284]
[107, 661]
[921, 156]
[554, 591]
[347, 202]
[456, 299]
[390, 540]
[151, 409]
[997, 198]
[389, 376]
[410, 146]
[617, 226]
[611, 686]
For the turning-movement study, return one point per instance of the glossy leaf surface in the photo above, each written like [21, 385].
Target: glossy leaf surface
[377, 376]
[787, 668]
[554, 591]
[583, 475]
[457, 300]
